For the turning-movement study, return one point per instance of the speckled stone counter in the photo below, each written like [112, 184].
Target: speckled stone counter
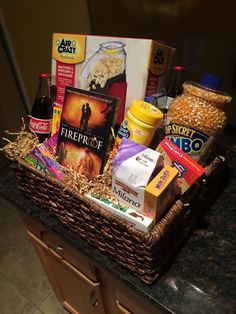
[201, 278]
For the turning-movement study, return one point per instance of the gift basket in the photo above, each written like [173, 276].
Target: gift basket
[136, 204]
[146, 255]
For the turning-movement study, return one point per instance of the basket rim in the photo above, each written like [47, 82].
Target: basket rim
[150, 237]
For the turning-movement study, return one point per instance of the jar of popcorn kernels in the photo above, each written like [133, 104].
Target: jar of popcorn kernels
[195, 119]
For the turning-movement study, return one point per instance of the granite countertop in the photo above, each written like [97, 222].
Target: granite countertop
[201, 279]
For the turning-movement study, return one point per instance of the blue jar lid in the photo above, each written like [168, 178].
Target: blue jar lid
[211, 81]
[149, 99]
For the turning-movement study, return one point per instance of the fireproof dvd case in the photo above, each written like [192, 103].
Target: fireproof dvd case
[84, 137]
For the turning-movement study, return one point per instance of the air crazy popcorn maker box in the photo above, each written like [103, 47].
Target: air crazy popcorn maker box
[125, 68]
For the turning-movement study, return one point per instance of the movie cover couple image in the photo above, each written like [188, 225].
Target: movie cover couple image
[85, 116]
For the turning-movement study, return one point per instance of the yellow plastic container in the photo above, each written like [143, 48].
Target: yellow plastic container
[140, 123]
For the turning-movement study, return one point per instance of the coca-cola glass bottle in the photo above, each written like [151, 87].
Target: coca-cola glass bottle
[41, 112]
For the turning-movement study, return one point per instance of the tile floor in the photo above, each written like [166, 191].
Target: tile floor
[24, 286]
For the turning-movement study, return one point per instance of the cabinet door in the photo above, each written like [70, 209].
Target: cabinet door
[43, 253]
[120, 299]
[58, 244]
[74, 290]
[122, 309]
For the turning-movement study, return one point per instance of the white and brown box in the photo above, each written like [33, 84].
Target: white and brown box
[125, 68]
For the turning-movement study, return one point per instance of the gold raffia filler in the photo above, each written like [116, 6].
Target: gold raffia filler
[24, 142]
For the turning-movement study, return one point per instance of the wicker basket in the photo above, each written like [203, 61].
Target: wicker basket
[145, 255]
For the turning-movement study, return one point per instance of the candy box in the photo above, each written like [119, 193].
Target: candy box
[56, 119]
[160, 193]
[137, 220]
[189, 170]
[124, 68]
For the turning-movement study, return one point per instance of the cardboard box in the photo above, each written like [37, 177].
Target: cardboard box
[132, 169]
[125, 68]
[137, 220]
[189, 170]
[56, 119]
[160, 193]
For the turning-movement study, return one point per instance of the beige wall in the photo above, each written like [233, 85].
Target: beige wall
[11, 106]
[203, 31]
[30, 25]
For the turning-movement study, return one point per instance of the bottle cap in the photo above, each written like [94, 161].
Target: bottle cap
[145, 112]
[149, 99]
[211, 81]
[47, 75]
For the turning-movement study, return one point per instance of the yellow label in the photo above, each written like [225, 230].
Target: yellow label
[159, 58]
[162, 180]
[111, 51]
[68, 48]
[160, 192]
[136, 131]
[56, 119]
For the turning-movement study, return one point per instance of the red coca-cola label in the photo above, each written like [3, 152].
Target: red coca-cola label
[40, 126]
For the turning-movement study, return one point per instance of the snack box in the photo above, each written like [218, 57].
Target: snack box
[160, 193]
[124, 68]
[132, 169]
[56, 119]
[189, 170]
[137, 220]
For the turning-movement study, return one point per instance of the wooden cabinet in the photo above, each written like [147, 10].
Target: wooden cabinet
[120, 299]
[77, 292]
[59, 245]
[79, 285]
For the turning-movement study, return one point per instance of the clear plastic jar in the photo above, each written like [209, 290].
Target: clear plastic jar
[109, 62]
[195, 119]
[105, 73]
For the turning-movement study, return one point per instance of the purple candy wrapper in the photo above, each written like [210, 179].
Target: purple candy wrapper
[51, 144]
[41, 154]
[126, 150]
